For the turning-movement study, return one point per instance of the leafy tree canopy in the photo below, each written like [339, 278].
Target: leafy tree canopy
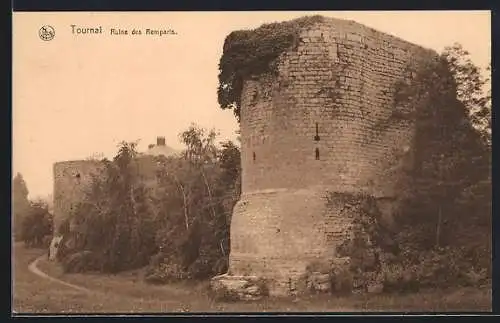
[36, 225]
[20, 203]
[473, 88]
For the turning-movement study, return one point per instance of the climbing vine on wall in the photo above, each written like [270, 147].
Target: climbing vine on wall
[369, 241]
[249, 53]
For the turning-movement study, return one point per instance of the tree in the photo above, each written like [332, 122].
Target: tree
[448, 212]
[230, 182]
[200, 191]
[36, 225]
[474, 91]
[200, 144]
[230, 161]
[473, 88]
[113, 223]
[20, 204]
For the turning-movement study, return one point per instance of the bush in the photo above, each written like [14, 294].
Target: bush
[342, 280]
[201, 268]
[46, 241]
[36, 225]
[443, 267]
[166, 273]
[82, 261]
[397, 277]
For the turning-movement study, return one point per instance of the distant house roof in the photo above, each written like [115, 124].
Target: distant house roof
[160, 149]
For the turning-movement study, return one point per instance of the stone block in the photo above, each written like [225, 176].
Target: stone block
[227, 287]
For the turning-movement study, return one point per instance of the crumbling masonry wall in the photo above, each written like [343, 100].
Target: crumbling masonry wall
[71, 180]
[326, 122]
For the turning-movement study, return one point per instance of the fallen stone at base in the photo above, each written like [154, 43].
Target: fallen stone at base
[319, 282]
[247, 288]
[252, 290]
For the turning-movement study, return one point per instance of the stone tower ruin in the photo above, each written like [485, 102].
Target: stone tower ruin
[323, 123]
[71, 179]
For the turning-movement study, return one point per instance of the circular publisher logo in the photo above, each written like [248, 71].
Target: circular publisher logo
[47, 33]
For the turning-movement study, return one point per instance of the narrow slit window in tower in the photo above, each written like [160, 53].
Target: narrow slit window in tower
[317, 153]
[316, 137]
[253, 156]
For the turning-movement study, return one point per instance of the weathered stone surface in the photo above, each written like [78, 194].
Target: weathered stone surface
[317, 282]
[237, 288]
[323, 287]
[235, 284]
[321, 278]
[322, 124]
[71, 179]
[341, 262]
[319, 267]
[252, 290]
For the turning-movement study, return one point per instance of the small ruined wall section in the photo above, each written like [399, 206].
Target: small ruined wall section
[325, 122]
[71, 179]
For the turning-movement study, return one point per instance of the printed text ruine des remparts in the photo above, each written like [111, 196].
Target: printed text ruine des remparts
[77, 30]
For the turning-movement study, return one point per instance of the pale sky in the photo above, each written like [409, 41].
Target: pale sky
[79, 95]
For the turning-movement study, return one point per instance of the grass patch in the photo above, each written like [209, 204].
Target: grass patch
[127, 293]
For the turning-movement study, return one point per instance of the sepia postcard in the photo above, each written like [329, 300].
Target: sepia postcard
[251, 161]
